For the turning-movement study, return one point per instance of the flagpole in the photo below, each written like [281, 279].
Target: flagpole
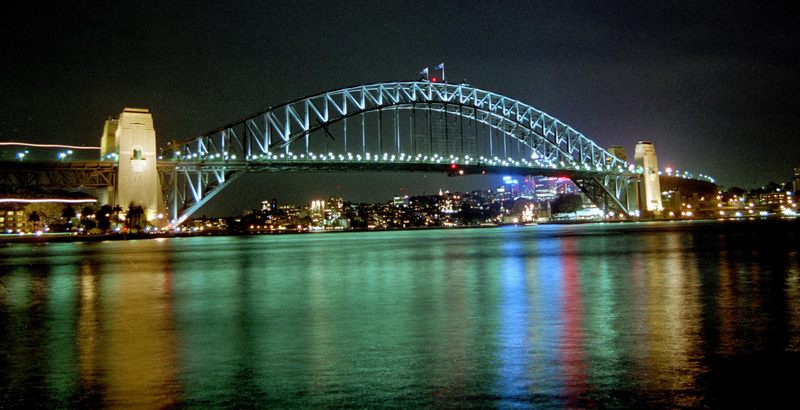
[443, 77]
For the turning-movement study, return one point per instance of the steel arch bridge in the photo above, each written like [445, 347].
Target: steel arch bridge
[400, 126]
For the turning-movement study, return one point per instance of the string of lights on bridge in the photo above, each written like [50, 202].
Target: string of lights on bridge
[390, 158]
[369, 158]
[425, 159]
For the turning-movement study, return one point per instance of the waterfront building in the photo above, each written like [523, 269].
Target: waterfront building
[13, 220]
[774, 198]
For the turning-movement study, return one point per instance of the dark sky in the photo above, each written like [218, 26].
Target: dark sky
[712, 84]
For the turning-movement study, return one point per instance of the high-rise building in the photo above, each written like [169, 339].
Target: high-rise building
[796, 180]
[646, 161]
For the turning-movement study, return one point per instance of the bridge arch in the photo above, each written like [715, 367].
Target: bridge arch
[377, 126]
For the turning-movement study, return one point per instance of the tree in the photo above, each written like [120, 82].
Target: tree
[103, 217]
[470, 215]
[48, 212]
[134, 217]
[34, 218]
[736, 191]
[68, 214]
[115, 215]
[567, 203]
[86, 211]
[87, 218]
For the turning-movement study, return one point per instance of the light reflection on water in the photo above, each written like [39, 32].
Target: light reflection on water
[702, 314]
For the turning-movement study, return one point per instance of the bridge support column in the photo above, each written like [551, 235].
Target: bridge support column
[609, 193]
[137, 178]
[650, 191]
[632, 197]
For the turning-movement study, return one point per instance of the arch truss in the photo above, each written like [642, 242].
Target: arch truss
[410, 126]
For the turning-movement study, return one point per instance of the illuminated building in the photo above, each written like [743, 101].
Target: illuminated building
[271, 205]
[400, 201]
[646, 161]
[796, 181]
[774, 198]
[12, 221]
[545, 188]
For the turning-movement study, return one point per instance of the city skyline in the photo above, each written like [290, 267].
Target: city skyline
[711, 92]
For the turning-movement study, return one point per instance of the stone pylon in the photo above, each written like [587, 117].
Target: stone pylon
[137, 175]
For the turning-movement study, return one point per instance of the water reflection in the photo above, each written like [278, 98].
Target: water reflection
[138, 339]
[88, 335]
[573, 358]
[576, 316]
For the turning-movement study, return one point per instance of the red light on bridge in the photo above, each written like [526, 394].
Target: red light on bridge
[434, 80]
[453, 166]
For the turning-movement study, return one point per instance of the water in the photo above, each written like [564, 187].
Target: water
[614, 315]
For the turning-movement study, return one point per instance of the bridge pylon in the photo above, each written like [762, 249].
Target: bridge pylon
[134, 148]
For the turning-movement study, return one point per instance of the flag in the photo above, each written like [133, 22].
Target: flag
[423, 74]
[440, 67]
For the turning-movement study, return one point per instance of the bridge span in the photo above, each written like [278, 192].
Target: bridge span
[398, 126]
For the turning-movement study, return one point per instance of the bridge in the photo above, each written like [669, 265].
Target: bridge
[415, 126]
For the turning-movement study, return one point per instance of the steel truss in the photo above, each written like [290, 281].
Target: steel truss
[611, 193]
[19, 175]
[411, 122]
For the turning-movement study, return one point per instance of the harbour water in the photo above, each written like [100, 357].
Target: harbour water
[602, 315]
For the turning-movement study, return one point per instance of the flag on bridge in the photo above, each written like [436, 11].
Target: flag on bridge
[423, 75]
[440, 67]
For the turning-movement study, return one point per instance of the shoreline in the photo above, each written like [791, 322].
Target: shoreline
[64, 237]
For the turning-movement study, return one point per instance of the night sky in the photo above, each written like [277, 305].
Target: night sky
[712, 84]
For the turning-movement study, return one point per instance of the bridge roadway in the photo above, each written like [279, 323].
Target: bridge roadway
[379, 166]
[101, 174]
[16, 175]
